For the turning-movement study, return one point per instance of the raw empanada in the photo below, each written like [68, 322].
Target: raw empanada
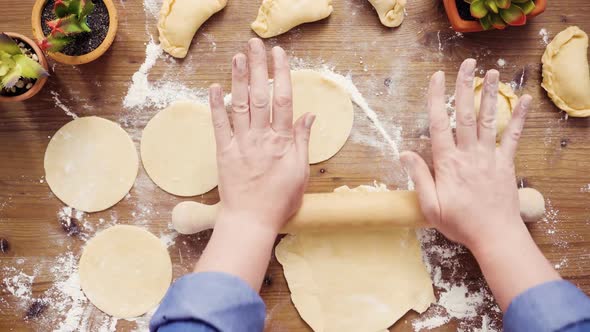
[391, 12]
[180, 20]
[566, 75]
[279, 16]
[506, 102]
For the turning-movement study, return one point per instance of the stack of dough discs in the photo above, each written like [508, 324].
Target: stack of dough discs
[91, 164]
[178, 149]
[125, 271]
[333, 108]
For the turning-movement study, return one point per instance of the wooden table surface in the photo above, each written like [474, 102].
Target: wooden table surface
[389, 66]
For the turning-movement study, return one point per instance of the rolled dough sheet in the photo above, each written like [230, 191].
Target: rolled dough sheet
[333, 108]
[178, 149]
[91, 164]
[125, 271]
[351, 281]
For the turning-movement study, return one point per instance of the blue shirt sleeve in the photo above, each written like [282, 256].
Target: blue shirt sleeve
[209, 302]
[556, 306]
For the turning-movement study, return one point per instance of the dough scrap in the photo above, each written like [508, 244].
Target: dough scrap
[276, 17]
[125, 271]
[178, 149]
[532, 204]
[391, 12]
[350, 281]
[179, 21]
[91, 164]
[507, 101]
[566, 74]
[331, 103]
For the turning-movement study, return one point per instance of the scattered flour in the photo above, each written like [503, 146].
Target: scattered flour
[62, 106]
[585, 189]
[544, 36]
[458, 298]
[18, 283]
[143, 93]
[501, 63]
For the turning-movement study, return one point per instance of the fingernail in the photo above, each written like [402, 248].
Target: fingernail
[469, 66]
[254, 45]
[240, 62]
[309, 120]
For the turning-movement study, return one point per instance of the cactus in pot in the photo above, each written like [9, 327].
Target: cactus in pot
[19, 66]
[499, 14]
[72, 19]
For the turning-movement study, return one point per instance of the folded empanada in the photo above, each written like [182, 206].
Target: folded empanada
[566, 75]
[179, 21]
[391, 12]
[279, 16]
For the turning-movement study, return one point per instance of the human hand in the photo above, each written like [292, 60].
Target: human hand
[263, 167]
[473, 196]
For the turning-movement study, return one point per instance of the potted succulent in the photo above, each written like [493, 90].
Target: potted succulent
[481, 15]
[75, 31]
[23, 68]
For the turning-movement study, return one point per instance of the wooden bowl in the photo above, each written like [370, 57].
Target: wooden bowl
[40, 82]
[461, 25]
[78, 59]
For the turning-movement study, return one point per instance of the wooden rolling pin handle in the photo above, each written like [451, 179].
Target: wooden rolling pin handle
[343, 210]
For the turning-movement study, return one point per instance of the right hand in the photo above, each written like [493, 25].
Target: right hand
[473, 196]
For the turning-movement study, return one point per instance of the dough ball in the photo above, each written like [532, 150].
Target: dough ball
[276, 17]
[179, 21]
[125, 271]
[91, 164]
[506, 103]
[566, 73]
[178, 149]
[333, 108]
[532, 204]
[391, 12]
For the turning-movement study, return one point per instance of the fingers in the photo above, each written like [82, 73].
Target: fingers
[259, 87]
[239, 94]
[514, 130]
[466, 121]
[487, 111]
[219, 117]
[302, 129]
[282, 103]
[420, 174]
[440, 128]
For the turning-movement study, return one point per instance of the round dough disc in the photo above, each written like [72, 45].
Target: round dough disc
[125, 271]
[91, 164]
[178, 149]
[332, 106]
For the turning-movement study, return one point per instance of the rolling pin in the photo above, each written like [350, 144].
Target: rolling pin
[344, 210]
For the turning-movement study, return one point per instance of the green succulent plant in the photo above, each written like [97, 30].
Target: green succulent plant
[14, 64]
[72, 19]
[499, 14]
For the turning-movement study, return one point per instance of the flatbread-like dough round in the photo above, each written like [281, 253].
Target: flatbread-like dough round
[566, 73]
[333, 108]
[178, 149]
[279, 16]
[91, 164]
[350, 281]
[125, 271]
[506, 103]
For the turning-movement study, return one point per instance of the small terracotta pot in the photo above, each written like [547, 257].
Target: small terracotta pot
[79, 59]
[40, 82]
[461, 25]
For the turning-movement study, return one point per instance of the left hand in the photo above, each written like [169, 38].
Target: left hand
[263, 166]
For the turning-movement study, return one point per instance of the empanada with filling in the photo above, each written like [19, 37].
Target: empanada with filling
[566, 75]
[391, 12]
[179, 21]
[279, 16]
